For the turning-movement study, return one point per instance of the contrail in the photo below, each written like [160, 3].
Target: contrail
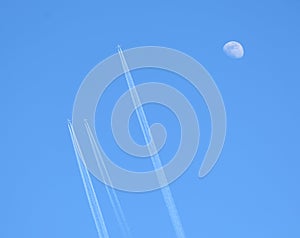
[89, 189]
[112, 195]
[167, 194]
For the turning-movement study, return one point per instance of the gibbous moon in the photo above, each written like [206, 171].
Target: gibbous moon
[234, 49]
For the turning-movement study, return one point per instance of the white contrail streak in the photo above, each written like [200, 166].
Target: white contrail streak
[112, 195]
[89, 189]
[167, 194]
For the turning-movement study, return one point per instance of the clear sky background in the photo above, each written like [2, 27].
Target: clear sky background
[47, 48]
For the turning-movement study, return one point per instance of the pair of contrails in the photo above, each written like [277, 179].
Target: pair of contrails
[91, 195]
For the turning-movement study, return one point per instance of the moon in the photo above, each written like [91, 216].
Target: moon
[234, 49]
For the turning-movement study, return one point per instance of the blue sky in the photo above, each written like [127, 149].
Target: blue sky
[48, 47]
